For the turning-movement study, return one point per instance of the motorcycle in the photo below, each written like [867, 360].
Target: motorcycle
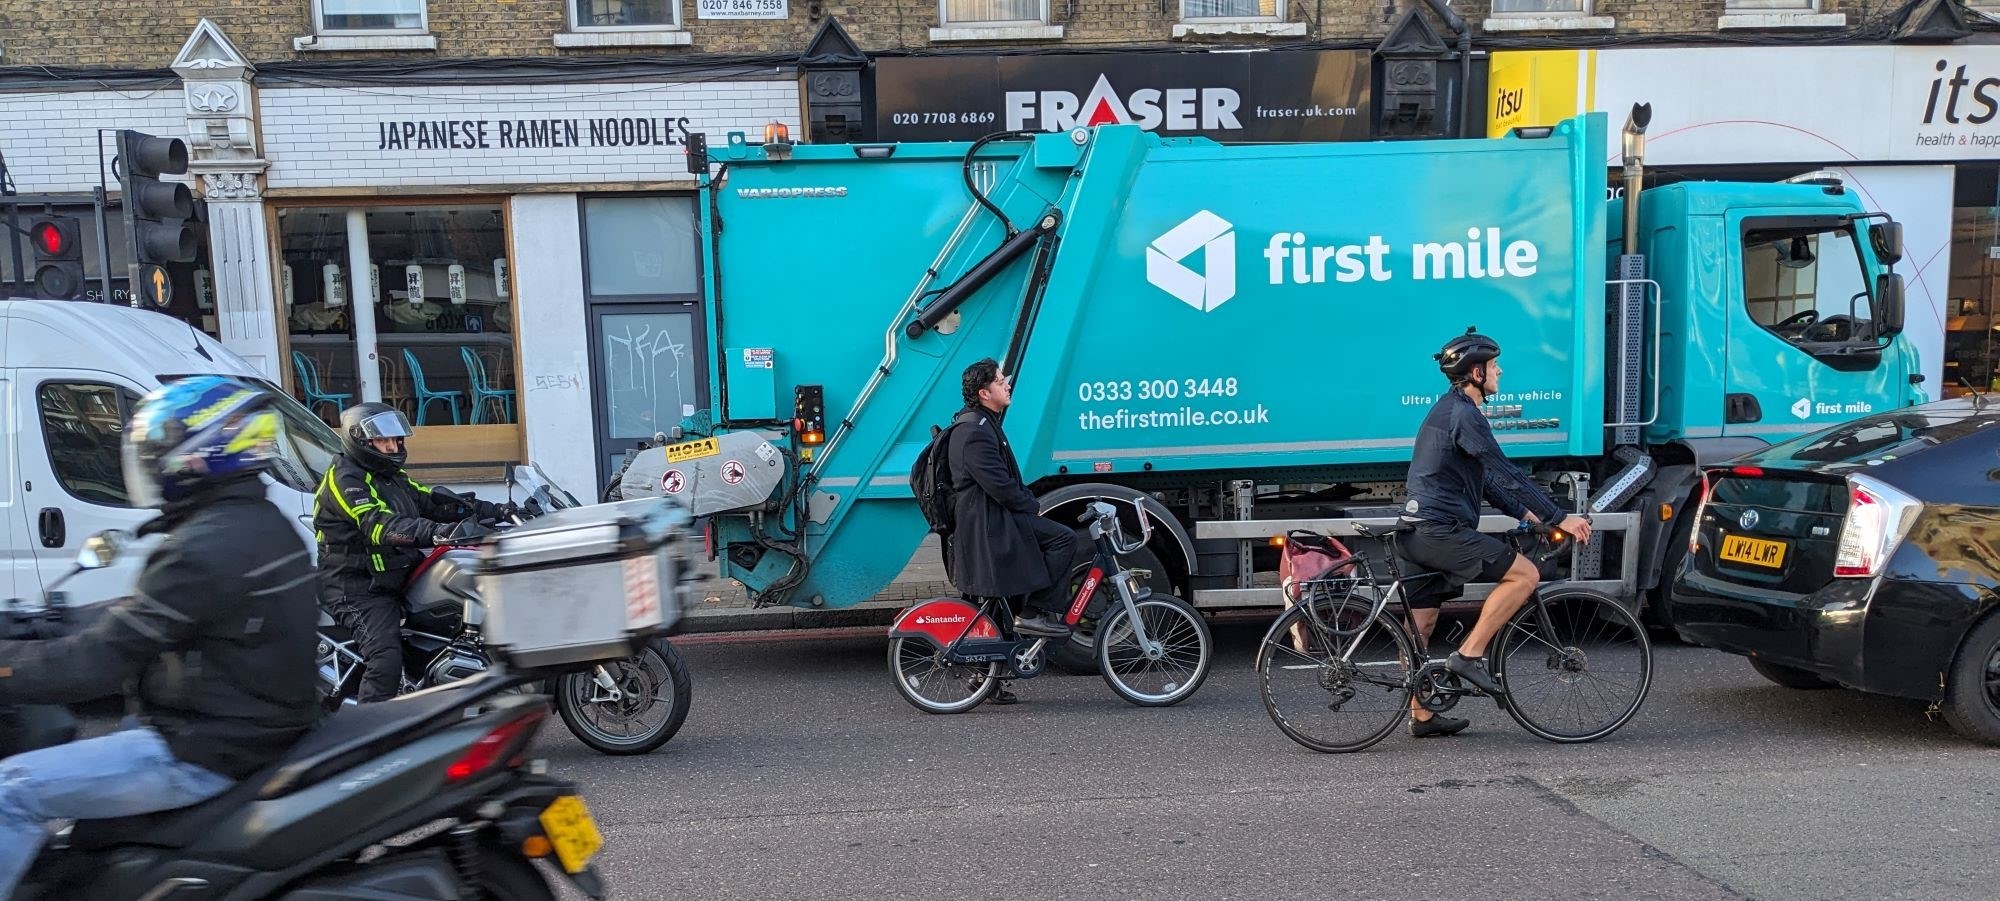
[629, 706]
[430, 795]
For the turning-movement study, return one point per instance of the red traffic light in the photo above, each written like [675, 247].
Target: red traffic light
[49, 239]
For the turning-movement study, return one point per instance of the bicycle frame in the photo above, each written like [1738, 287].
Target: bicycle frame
[1023, 654]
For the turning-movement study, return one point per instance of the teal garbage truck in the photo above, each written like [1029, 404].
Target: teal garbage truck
[1232, 341]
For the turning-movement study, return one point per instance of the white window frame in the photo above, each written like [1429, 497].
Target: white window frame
[1589, 9]
[573, 7]
[423, 23]
[1769, 7]
[1284, 8]
[945, 21]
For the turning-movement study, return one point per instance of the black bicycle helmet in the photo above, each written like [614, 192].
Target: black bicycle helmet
[365, 422]
[1462, 353]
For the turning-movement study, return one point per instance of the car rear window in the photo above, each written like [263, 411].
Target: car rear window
[1884, 437]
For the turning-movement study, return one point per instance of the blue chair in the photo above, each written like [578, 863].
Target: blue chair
[309, 386]
[483, 392]
[425, 396]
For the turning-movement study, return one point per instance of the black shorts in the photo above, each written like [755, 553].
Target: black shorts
[1461, 555]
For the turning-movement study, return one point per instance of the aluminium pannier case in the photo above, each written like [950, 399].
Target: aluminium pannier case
[586, 583]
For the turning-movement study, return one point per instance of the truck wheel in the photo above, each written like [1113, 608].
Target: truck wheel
[1659, 615]
[1078, 655]
[1790, 676]
[1972, 703]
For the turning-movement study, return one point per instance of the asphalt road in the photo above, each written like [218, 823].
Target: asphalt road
[801, 773]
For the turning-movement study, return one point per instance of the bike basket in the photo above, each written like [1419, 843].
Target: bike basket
[1309, 556]
[585, 584]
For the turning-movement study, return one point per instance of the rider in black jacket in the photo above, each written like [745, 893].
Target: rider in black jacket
[374, 523]
[214, 649]
[1455, 463]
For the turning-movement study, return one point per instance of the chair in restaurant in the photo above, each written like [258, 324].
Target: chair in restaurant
[483, 392]
[308, 373]
[425, 396]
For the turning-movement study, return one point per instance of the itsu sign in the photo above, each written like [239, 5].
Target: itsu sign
[1316, 95]
[1174, 109]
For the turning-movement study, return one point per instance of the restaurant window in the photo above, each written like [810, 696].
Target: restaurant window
[1972, 330]
[439, 321]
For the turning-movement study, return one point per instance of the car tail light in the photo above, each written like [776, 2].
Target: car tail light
[494, 746]
[1878, 517]
[1700, 508]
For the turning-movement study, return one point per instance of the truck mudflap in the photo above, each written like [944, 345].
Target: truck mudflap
[943, 621]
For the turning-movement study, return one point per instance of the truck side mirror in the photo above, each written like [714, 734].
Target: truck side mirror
[1887, 238]
[1889, 301]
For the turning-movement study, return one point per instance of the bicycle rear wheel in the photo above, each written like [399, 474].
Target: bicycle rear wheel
[1324, 697]
[1579, 676]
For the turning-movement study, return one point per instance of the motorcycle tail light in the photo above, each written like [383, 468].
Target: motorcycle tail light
[509, 738]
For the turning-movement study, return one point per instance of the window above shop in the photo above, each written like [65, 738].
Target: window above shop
[623, 23]
[1546, 15]
[1236, 17]
[1777, 14]
[994, 20]
[369, 25]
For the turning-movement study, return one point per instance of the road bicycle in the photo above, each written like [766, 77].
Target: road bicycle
[1338, 668]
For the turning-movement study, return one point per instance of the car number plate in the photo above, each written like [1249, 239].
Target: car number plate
[572, 832]
[1753, 551]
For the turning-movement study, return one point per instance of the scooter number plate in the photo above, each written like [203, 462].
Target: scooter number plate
[572, 831]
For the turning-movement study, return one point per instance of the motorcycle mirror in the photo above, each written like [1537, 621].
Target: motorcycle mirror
[101, 549]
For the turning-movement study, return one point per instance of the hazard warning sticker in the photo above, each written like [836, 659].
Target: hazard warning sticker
[673, 482]
[732, 471]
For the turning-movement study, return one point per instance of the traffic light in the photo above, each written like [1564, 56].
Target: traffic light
[156, 212]
[58, 247]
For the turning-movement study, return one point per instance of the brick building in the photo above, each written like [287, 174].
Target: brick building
[481, 210]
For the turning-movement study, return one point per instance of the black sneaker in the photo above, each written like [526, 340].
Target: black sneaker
[1473, 670]
[1438, 724]
[1041, 625]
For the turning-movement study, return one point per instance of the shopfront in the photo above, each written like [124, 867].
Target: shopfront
[1910, 129]
[515, 268]
[1274, 95]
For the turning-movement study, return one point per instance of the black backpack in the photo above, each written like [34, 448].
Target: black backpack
[930, 479]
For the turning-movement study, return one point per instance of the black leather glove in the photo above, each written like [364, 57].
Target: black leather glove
[460, 532]
[489, 509]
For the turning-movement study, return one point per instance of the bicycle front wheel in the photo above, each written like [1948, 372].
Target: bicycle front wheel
[1332, 692]
[1580, 673]
[1169, 665]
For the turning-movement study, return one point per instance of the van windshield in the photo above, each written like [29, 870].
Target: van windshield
[308, 448]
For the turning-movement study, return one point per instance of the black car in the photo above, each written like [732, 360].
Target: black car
[1866, 555]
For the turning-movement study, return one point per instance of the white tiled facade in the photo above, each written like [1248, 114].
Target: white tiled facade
[50, 137]
[331, 137]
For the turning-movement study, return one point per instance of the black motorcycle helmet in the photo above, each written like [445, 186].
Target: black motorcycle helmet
[365, 422]
[1464, 352]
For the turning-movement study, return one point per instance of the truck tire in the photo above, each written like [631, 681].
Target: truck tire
[1790, 676]
[1972, 702]
[1659, 615]
[1077, 655]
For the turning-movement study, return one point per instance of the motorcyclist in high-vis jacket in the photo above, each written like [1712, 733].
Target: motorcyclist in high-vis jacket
[374, 524]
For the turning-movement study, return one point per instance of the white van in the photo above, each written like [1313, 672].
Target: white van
[70, 374]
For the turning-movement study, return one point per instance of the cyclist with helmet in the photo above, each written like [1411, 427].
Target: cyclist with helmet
[374, 522]
[214, 649]
[1456, 462]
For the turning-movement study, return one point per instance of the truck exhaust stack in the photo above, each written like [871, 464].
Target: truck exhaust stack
[1635, 169]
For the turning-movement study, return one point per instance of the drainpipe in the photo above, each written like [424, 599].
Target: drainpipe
[1442, 8]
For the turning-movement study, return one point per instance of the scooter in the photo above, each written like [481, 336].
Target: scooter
[427, 796]
[630, 706]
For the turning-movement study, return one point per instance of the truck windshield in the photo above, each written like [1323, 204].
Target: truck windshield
[1805, 282]
[308, 448]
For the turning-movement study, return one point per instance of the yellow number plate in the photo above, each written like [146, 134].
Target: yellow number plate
[572, 831]
[1754, 551]
[693, 450]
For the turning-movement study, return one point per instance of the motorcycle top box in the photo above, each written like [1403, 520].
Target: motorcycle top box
[585, 584]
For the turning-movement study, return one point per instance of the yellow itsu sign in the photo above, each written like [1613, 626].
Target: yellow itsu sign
[1538, 87]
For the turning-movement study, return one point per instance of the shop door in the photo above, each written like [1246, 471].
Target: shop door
[649, 366]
